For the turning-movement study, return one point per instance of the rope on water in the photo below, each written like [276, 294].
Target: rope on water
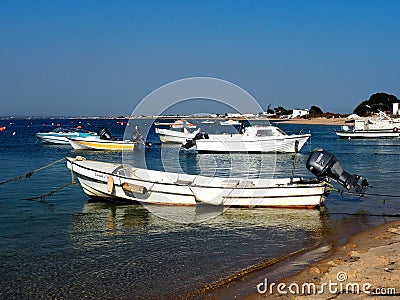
[30, 173]
[52, 192]
[363, 193]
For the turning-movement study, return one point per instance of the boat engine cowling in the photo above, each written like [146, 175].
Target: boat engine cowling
[104, 133]
[325, 165]
[189, 143]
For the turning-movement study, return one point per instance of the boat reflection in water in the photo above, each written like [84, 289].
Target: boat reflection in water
[114, 218]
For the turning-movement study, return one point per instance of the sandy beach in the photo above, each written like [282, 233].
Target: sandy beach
[314, 121]
[367, 267]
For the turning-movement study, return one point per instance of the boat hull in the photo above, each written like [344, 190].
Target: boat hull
[375, 134]
[174, 137]
[53, 140]
[118, 182]
[58, 138]
[234, 143]
[98, 144]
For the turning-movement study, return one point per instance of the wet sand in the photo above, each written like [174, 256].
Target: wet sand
[370, 262]
[367, 267]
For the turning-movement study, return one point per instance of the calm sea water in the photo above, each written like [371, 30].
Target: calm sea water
[72, 247]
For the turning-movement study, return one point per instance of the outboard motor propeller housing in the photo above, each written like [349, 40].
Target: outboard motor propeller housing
[104, 134]
[325, 165]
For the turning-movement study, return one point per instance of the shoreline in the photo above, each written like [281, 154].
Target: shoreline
[369, 258]
[316, 121]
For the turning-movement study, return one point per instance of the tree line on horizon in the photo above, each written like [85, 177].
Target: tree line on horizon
[376, 102]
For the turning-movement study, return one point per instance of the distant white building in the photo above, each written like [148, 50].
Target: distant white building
[233, 115]
[396, 110]
[249, 115]
[299, 113]
[268, 114]
[245, 115]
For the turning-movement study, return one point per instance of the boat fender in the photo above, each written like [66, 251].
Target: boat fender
[80, 158]
[134, 188]
[110, 184]
[395, 129]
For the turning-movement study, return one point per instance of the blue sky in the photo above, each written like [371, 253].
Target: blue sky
[102, 57]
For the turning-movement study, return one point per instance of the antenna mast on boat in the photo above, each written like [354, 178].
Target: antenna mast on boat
[296, 149]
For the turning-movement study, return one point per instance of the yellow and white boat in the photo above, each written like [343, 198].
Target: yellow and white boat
[92, 143]
[104, 141]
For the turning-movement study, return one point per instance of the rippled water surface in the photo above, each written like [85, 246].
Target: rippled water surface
[71, 247]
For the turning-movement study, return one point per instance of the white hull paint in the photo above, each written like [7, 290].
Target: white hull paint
[367, 134]
[54, 140]
[59, 138]
[238, 143]
[164, 188]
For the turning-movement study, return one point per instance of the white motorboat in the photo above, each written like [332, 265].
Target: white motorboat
[175, 136]
[60, 135]
[370, 128]
[182, 123]
[230, 123]
[254, 139]
[124, 182]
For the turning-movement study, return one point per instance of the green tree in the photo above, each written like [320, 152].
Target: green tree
[282, 111]
[315, 110]
[269, 110]
[377, 101]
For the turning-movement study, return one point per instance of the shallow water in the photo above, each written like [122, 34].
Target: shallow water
[72, 247]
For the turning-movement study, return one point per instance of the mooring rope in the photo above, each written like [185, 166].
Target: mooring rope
[52, 192]
[30, 173]
[363, 193]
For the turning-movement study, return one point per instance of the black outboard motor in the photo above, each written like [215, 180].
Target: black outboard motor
[189, 144]
[325, 165]
[104, 134]
[137, 137]
[192, 142]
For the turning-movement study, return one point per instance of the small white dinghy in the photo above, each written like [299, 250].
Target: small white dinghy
[124, 182]
[175, 136]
